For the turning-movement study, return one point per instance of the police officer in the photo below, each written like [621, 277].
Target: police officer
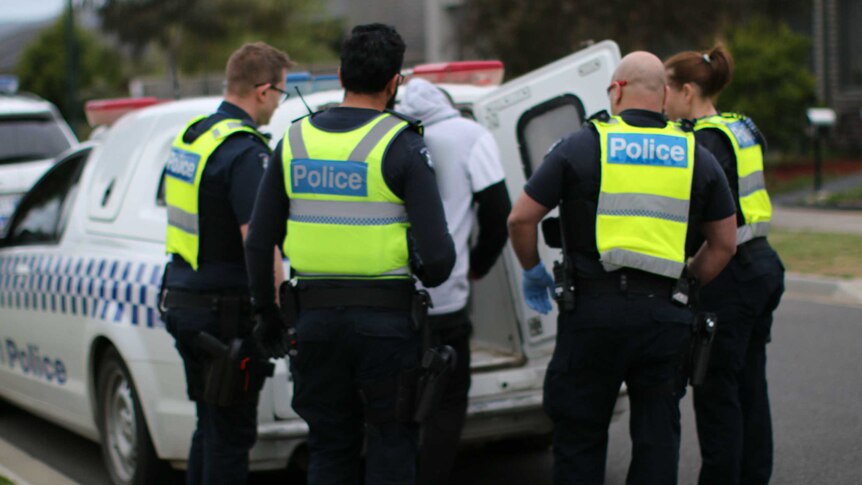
[467, 163]
[212, 174]
[732, 406]
[351, 195]
[632, 188]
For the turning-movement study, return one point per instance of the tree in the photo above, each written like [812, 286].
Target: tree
[199, 35]
[771, 80]
[42, 68]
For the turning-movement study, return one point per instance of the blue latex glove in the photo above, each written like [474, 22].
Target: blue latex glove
[538, 286]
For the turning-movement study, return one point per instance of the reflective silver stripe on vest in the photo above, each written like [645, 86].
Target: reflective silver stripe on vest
[297, 144]
[751, 183]
[750, 231]
[643, 205]
[403, 271]
[182, 220]
[372, 138]
[619, 258]
[336, 208]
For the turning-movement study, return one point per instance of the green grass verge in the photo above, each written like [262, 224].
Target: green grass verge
[853, 195]
[5, 481]
[819, 253]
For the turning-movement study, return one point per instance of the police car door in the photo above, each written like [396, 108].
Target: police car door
[526, 116]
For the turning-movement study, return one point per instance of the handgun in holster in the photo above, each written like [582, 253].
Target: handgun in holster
[233, 374]
[420, 390]
[289, 306]
[701, 345]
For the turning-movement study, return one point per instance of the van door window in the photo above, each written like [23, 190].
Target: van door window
[544, 124]
[43, 213]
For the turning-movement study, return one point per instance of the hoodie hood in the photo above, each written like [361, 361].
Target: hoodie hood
[426, 102]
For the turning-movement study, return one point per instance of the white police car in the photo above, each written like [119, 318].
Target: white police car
[32, 133]
[82, 344]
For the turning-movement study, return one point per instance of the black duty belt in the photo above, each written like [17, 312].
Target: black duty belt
[388, 298]
[625, 282]
[185, 299]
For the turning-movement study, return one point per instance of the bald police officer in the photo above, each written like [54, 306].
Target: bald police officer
[632, 188]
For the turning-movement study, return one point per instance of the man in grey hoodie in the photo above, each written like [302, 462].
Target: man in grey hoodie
[468, 169]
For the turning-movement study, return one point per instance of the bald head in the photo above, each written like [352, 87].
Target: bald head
[645, 81]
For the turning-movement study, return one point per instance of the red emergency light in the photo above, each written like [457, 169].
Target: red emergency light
[104, 112]
[480, 73]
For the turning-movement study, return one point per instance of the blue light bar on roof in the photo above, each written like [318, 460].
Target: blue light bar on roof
[326, 82]
[301, 80]
[8, 84]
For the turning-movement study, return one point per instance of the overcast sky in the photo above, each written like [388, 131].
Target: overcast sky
[29, 10]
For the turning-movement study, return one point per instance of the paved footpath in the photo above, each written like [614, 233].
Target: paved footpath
[817, 220]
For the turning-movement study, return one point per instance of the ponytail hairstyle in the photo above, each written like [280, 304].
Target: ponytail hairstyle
[711, 71]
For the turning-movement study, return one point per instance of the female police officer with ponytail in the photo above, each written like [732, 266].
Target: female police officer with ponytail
[732, 406]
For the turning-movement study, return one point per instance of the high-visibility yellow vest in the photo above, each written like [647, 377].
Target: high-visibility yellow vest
[645, 193]
[754, 202]
[182, 184]
[344, 220]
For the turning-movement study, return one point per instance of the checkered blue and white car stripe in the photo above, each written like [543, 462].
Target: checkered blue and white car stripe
[124, 292]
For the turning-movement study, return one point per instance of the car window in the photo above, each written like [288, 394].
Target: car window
[544, 124]
[44, 211]
[32, 137]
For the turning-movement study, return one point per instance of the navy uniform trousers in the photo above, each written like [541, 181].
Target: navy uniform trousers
[734, 425]
[340, 351]
[609, 339]
[223, 435]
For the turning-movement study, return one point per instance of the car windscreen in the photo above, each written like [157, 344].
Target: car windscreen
[31, 137]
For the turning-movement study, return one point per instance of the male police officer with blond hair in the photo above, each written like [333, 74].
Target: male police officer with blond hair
[352, 198]
[631, 190]
[215, 165]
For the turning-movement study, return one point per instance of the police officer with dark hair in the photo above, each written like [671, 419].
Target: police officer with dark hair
[734, 426]
[632, 190]
[352, 198]
[211, 178]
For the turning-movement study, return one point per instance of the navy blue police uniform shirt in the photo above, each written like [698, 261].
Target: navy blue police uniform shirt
[227, 193]
[408, 173]
[571, 171]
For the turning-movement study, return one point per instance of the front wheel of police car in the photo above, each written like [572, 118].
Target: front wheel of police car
[127, 449]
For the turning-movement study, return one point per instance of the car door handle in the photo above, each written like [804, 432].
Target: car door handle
[22, 270]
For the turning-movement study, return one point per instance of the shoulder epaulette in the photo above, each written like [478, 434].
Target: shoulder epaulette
[602, 116]
[414, 123]
[686, 125]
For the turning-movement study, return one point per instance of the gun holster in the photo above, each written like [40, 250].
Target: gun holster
[436, 366]
[233, 373]
[701, 345]
[289, 306]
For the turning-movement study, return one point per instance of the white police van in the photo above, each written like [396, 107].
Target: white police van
[32, 134]
[81, 342]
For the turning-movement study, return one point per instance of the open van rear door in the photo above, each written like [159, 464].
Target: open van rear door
[526, 116]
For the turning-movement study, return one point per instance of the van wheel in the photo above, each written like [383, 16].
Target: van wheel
[127, 449]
